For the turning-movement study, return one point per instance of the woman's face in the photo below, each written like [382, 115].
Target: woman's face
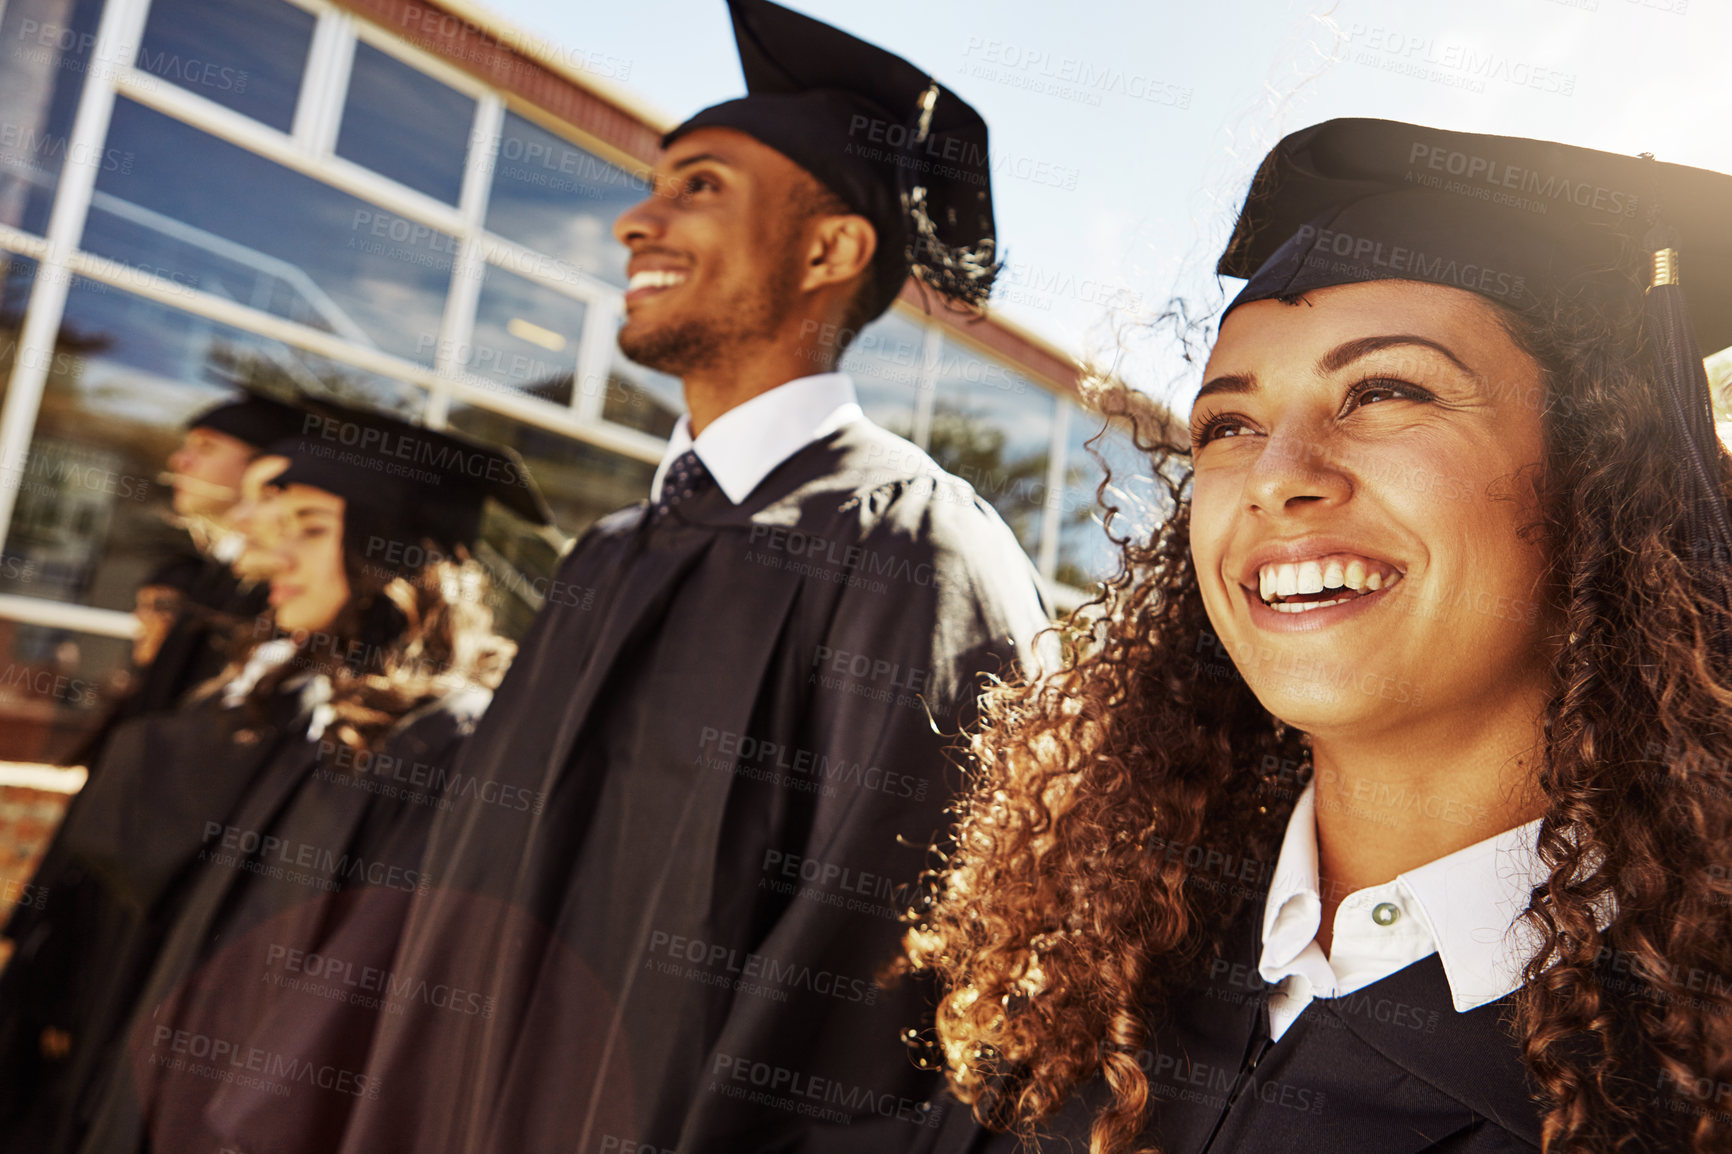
[254, 516]
[308, 585]
[1365, 465]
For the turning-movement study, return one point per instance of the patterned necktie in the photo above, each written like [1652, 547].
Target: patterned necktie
[685, 479]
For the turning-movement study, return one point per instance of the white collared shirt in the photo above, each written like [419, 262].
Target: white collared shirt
[1462, 907]
[743, 445]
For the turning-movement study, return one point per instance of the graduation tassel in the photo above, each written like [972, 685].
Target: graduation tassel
[1683, 383]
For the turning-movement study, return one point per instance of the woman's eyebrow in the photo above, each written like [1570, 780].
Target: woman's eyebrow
[1228, 383]
[1345, 354]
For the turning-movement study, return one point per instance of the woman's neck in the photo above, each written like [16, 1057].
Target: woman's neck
[1390, 802]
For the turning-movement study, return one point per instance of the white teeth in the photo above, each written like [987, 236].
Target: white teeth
[1306, 606]
[655, 278]
[1278, 581]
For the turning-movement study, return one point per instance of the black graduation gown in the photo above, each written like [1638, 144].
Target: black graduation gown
[110, 885]
[1389, 1069]
[196, 648]
[257, 1014]
[722, 717]
[46, 984]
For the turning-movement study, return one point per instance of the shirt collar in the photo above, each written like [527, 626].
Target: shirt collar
[1471, 901]
[745, 444]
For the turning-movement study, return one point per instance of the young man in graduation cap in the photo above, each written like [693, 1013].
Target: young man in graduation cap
[738, 739]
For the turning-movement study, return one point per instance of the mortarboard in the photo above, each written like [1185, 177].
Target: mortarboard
[896, 146]
[255, 418]
[428, 482]
[1527, 223]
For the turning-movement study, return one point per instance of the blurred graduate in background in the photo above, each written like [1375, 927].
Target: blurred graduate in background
[282, 810]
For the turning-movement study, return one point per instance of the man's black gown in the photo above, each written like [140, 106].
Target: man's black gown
[735, 721]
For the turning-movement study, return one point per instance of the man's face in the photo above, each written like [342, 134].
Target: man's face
[207, 472]
[715, 252]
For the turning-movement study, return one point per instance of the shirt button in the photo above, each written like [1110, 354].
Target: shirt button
[1385, 913]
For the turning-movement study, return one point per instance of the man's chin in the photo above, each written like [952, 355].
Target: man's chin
[667, 348]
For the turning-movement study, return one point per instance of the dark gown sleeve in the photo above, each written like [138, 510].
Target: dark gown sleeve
[937, 597]
[253, 1028]
[664, 964]
[110, 882]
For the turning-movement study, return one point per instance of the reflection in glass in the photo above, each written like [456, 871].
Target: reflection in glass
[247, 55]
[885, 361]
[993, 428]
[641, 398]
[582, 482]
[57, 685]
[526, 336]
[93, 516]
[1085, 554]
[17, 278]
[552, 196]
[402, 123]
[216, 218]
[44, 55]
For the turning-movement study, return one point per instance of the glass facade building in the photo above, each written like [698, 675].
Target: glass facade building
[400, 205]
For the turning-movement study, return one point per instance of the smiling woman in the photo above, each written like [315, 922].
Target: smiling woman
[1388, 806]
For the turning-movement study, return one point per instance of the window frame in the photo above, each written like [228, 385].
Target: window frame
[309, 148]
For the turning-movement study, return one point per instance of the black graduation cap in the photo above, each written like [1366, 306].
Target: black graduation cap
[256, 418]
[896, 146]
[1514, 219]
[1528, 223]
[427, 482]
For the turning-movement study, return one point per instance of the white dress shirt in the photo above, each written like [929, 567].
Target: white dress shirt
[745, 444]
[1462, 907]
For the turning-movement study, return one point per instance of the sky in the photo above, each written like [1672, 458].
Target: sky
[1128, 130]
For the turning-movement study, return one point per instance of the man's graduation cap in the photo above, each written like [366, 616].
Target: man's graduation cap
[1527, 223]
[896, 146]
[425, 482]
[254, 418]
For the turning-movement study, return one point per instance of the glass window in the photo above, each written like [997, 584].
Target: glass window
[93, 515]
[1085, 555]
[402, 123]
[526, 336]
[582, 482]
[993, 428]
[552, 196]
[17, 278]
[247, 55]
[214, 217]
[641, 398]
[55, 686]
[885, 361]
[45, 48]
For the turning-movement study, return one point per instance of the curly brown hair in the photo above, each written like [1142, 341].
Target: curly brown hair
[405, 637]
[1059, 914]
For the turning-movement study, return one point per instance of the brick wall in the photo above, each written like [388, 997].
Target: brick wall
[32, 800]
